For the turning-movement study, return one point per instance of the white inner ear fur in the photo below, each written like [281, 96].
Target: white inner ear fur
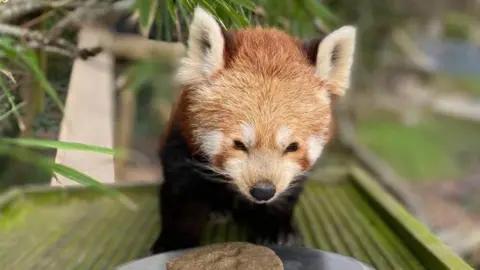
[315, 148]
[338, 72]
[205, 49]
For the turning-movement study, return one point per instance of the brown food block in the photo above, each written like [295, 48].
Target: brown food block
[232, 256]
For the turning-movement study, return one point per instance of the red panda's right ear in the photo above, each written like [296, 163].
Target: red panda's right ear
[333, 57]
[205, 51]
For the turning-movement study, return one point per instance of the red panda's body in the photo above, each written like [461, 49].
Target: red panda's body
[252, 117]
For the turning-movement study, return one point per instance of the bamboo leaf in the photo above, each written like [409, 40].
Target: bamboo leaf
[320, 10]
[29, 60]
[206, 5]
[8, 49]
[42, 143]
[32, 63]
[147, 10]
[245, 4]
[43, 163]
[25, 156]
[230, 12]
[183, 13]
[11, 100]
[142, 72]
[11, 111]
[86, 180]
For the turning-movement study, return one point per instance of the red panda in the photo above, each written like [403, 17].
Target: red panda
[251, 119]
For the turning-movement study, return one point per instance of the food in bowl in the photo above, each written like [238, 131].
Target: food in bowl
[231, 256]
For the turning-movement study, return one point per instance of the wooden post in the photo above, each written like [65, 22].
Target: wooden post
[126, 125]
[89, 113]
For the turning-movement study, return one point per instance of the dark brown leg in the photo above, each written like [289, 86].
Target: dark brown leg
[184, 217]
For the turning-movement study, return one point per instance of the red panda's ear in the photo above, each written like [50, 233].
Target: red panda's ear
[206, 45]
[334, 59]
[310, 47]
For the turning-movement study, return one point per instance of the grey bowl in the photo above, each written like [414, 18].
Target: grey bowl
[292, 258]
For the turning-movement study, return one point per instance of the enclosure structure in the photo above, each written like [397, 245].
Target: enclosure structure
[77, 228]
[74, 227]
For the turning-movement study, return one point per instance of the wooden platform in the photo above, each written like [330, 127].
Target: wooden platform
[76, 228]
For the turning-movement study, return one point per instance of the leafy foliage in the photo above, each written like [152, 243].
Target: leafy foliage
[173, 16]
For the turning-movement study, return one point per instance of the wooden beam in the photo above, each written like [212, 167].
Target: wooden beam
[125, 126]
[89, 113]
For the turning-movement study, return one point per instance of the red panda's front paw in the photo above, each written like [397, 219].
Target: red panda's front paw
[292, 240]
[289, 238]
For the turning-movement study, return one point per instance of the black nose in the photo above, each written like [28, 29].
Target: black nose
[263, 190]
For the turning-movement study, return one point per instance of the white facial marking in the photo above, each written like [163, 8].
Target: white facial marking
[211, 142]
[236, 169]
[315, 148]
[246, 172]
[283, 136]
[289, 170]
[248, 133]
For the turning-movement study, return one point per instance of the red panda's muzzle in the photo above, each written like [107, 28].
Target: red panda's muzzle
[263, 190]
[261, 177]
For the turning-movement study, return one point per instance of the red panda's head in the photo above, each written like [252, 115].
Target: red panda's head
[257, 101]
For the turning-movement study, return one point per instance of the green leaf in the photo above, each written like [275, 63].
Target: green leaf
[185, 4]
[229, 12]
[42, 143]
[183, 13]
[147, 10]
[244, 3]
[8, 48]
[11, 100]
[167, 23]
[84, 179]
[8, 41]
[11, 111]
[143, 71]
[25, 156]
[206, 5]
[30, 61]
[320, 10]
[46, 164]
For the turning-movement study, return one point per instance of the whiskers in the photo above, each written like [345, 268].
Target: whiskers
[209, 173]
[285, 197]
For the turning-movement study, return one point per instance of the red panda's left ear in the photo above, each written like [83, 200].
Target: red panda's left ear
[334, 59]
[206, 45]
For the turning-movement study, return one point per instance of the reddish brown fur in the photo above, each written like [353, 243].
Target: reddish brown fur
[268, 82]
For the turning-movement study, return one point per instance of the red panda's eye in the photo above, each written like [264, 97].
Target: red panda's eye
[239, 146]
[292, 147]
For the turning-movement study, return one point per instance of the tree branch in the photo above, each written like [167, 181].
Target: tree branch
[13, 10]
[78, 15]
[36, 40]
[30, 35]
[136, 47]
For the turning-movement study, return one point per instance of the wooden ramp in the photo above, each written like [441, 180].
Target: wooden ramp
[89, 114]
[77, 228]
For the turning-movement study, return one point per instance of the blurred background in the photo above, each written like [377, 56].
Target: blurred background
[412, 113]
